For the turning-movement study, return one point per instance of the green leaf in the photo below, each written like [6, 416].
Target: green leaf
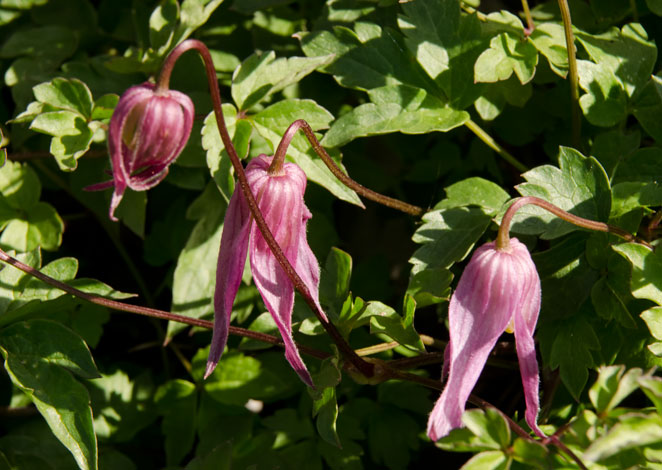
[389, 448]
[262, 75]
[71, 136]
[446, 44]
[272, 122]
[395, 108]
[646, 281]
[652, 387]
[325, 407]
[549, 39]
[571, 352]
[19, 185]
[507, 54]
[41, 227]
[238, 378]
[430, 286]
[489, 426]
[195, 274]
[177, 401]
[334, 280]
[488, 460]
[447, 236]
[66, 94]
[368, 57]
[627, 53]
[36, 354]
[385, 320]
[217, 160]
[612, 386]
[605, 101]
[653, 319]
[475, 191]
[193, 14]
[105, 106]
[162, 24]
[647, 107]
[608, 304]
[633, 431]
[122, 406]
[579, 186]
[48, 43]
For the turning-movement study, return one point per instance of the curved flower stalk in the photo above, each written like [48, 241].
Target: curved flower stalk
[148, 130]
[499, 291]
[279, 195]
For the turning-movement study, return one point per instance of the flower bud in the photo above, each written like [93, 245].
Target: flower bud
[147, 131]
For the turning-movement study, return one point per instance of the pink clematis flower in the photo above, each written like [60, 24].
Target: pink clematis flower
[498, 291]
[280, 199]
[148, 130]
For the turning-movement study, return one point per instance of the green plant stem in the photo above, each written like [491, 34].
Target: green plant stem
[530, 26]
[494, 145]
[503, 237]
[302, 125]
[573, 77]
[162, 83]
[635, 12]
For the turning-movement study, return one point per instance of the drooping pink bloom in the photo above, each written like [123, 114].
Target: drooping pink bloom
[280, 199]
[498, 291]
[148, 130]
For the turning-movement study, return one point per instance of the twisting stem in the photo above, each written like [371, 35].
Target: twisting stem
[302, 125]
[503, 237]
[575, 112]
[364, 367]
[494, 145]
[530, 26]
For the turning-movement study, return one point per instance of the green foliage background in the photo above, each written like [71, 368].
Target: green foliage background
[446, 104]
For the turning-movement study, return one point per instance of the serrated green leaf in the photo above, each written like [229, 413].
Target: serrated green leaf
[653, 319]
[627, 53]
[652, 387]
[262, 74]
[368, 57]
[193, 14]
[613, 146]
[612, 386]
[36, 354]
[579, 186]
[66, 94]
[528, 452]
[430, 286]
[195, 274]
[399, 116]
[49, 43]
[446, 44]
[447, 236]
[646, 281]
[272, 122]
[632, 431]
[609, 305]
[177, 400]
[19, 185]
[507, 54]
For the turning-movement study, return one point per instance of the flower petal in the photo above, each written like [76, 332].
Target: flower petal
[479, 312]
[231, 260]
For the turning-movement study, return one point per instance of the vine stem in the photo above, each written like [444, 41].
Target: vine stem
[494, 145]
[573, 77]
[385, 371]
[503, 236]
[163, 82]
[530, 26]
[302, 125]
